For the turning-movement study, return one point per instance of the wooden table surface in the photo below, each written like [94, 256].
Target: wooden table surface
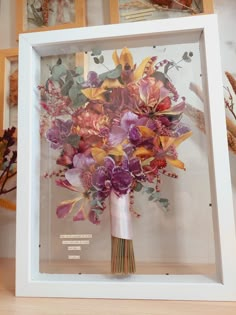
[10, 305]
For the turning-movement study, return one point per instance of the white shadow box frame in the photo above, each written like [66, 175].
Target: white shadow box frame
[29, 281]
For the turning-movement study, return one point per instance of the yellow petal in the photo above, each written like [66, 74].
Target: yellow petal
[182, 138]
[140, 69]
[117, 151]
[175, 163]
[115, 58]
[166, 142]
[98, 154]
[147, 161]
[126, 58]
[143, 152]
[94, 93]
[111, 84]
[146, 132]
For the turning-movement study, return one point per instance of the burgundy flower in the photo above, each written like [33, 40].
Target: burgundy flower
[121, 180]
[101, 179]
[135, 167]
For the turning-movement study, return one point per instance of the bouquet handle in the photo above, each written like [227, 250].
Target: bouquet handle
[122, 252]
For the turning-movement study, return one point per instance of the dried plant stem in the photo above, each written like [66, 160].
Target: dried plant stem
[231, 142]
[196, 90]
[232, 80]
[195, 115]
[122, 256]
[231, 126]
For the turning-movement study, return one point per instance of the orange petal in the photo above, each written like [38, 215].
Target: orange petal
[98, 154]
[166, 142]
[94, 93]
[176, 163]
[126, 58]
[111, 84]
[182, 138]
[143, 152]
[146, 132]
[115, 58]
[117, 151]
[140, 69]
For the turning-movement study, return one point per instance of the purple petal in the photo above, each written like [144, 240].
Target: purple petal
[109, 164]
[82, 161]
[135, 166]
[163, 93]
[65, 184]
[64, 208]
[144, 90]
[134, 135]
[100, 178]
[73, 177]
[179, 107]
[117, 135]
[127, 120]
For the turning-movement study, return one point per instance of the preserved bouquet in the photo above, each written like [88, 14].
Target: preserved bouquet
[116, 133]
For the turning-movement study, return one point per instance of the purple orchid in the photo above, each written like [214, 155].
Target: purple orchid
[59, 132]
[81, 163]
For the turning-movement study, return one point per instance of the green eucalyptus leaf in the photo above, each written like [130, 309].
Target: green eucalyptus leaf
[164, 202]
[66, 87]
[93, 203]
[79, 70]
[96, 60]
[79, 80]
[112, 74]
[149, 190]
[150, 198]
[73, 92]
[80, 100]
[58, 71]
[138, 187]
[73, 140]
[99, 204]
[186, 57]
[96, 52]
[101, 59]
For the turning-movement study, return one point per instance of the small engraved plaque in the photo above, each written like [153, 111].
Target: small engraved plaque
[73, 257]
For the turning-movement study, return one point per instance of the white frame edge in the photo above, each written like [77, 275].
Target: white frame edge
[28, 280]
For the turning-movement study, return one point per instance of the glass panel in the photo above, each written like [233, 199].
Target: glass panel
[132, 11]
[49, 13]
[122, 125]
[13, 93]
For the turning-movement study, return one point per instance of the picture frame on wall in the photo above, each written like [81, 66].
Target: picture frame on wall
[37, 15]
[8, 87]
[32, 214]
[124, 11]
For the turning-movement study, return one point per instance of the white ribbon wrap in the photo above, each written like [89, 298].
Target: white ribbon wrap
[121, 225]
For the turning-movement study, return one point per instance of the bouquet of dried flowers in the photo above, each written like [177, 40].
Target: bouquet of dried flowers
[8, 157]
[116, 133]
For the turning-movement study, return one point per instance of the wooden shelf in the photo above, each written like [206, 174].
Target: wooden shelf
[9, 304]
